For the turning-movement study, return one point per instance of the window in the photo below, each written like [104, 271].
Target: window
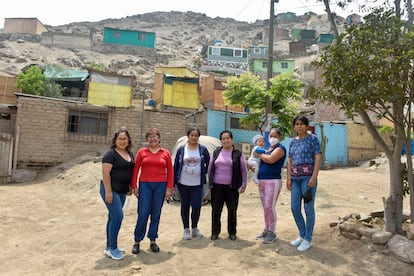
[117, 34]
[285, 65]
[88, 122]
[141, 36]
[238, 52]
[215, 51]
[256, 51]
[236, 124]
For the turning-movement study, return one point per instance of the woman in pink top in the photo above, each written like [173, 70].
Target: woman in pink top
[228, 178]
[156, 182]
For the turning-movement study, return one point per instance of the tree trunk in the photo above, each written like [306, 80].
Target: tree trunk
[410, 15]
[394, 203]
[389, 211]
[331, 18]
[397, 4]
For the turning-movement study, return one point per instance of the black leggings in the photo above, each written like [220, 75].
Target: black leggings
[190, 196]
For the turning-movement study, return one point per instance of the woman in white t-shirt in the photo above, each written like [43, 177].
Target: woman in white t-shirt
[190, 170]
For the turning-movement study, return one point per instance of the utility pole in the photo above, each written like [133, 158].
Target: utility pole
[270, 64]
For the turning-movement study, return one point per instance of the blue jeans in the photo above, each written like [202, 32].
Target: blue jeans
[305, 227]
[150, 200]
[115, 217]
[190, 196]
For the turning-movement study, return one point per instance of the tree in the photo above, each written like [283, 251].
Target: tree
[369, 70]
[366, 7]
[249, 91]
[32, 81]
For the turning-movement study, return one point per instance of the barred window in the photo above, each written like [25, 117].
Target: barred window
[238, 53]
[86, 122]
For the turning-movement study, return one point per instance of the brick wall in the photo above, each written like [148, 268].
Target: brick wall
[44, 140]
[361, 145]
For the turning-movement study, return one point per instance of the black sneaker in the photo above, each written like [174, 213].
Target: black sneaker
[214, 237]
[262, 235]
[270, 237]
[135, 248]
[232, 237]
[154, 247]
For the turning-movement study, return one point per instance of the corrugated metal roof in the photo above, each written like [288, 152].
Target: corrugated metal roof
[66, 74]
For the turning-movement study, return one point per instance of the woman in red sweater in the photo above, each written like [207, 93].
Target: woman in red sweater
[156, 182]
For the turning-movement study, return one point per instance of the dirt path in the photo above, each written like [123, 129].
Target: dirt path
[56, 226]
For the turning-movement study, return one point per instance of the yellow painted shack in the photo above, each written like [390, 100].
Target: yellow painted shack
[176, 87]
[109, 89]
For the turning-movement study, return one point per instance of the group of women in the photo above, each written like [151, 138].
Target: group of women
[152, 176]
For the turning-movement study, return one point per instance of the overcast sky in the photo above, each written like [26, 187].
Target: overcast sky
[55, 12]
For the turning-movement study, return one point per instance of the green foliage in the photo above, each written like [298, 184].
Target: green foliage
[385, 129]
[406, 186]
[96, 66]
[250, 91]
[369, 70]
[366, 68]
[31, 81]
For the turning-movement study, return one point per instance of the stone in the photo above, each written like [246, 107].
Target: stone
[355, 216]
[333, 224]
[367, 231]
[381, 237]
[403, 248]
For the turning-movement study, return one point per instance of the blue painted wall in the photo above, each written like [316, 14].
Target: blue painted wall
[336, 152]
[220, 120]
[129, 37]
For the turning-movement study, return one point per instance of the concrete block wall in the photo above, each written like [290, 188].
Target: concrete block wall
[361, 145]
[198, 120]
[41, 127]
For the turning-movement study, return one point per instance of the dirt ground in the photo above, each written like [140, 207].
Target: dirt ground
[56, 226]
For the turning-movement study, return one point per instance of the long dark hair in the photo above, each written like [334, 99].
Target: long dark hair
[116, 134]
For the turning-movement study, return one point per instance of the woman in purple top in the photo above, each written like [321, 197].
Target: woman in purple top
[304, 160]
[227, 177]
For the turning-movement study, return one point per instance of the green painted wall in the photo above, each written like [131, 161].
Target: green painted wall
[279, 66]
[129, 37]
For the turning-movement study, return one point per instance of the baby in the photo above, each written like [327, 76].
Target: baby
[254, 160]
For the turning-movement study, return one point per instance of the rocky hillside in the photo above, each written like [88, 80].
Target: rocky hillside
[180, 36]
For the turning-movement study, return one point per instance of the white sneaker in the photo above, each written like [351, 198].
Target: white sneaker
[304, 245]
[196, 233]
[255, 180]
[106, 251]
[296, 242]
[187, 234]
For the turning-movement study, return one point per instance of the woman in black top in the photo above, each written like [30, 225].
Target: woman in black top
[117, 166]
